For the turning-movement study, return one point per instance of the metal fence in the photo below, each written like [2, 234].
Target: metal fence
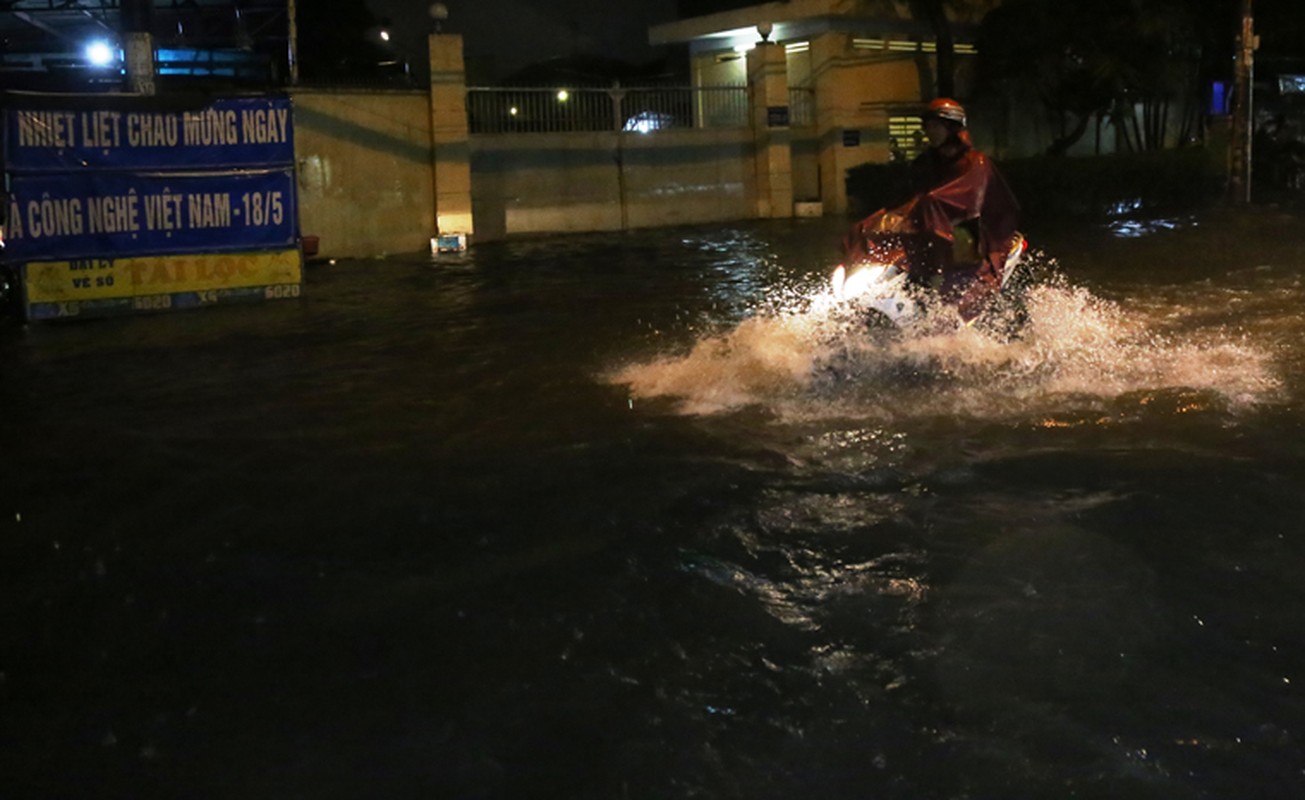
[618, 108]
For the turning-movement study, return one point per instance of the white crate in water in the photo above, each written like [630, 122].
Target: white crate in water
[448, 243]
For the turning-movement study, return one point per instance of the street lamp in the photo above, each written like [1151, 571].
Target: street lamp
[292, 41]
[439, 12]
[99, 53]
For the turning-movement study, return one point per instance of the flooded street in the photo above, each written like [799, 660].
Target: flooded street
[635, 516]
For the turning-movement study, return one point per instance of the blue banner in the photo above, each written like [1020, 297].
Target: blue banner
[231, 132]
[102, 214]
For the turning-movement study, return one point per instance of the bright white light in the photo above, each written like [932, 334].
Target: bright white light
[513, 111]
[385, 36]
[99, 53]
[563, 95]
[648, 121]
[859, 282]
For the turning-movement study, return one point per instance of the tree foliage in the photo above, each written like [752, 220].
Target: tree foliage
[1126, 61]
[934, 13]
[937, 15]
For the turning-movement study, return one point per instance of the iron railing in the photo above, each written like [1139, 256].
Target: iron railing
[632, 109]
[618, 108]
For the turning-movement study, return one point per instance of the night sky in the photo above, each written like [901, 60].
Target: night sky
[500, 36]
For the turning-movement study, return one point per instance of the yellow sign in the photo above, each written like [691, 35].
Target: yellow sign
[104, 279]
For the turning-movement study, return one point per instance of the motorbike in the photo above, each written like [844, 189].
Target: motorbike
[894, 282]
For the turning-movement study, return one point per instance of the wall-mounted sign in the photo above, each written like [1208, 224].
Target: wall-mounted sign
[103, 286]
[131, 203]
[851, 137]
[776, 116]
[117, 134]
[91, 215]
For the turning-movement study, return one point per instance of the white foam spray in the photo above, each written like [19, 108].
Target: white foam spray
[805, 357]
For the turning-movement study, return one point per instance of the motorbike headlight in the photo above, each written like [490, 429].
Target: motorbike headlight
[860, 281]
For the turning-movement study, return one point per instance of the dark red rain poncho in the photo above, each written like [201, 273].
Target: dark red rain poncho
[957, 187]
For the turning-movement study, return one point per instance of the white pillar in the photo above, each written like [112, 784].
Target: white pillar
[450, 135]
[768, 95]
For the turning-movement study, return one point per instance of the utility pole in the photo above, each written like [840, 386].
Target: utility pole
[1243, 111]
[292, 39]
[136, 18]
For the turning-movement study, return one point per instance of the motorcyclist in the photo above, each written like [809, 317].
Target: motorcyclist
[955, 233]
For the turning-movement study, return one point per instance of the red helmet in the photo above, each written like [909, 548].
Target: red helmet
[945, 108]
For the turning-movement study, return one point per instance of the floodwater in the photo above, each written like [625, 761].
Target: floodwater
[636, 516]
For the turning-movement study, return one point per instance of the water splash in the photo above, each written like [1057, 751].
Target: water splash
[806, 357]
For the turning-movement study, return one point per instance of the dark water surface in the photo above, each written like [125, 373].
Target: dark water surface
[631, 516]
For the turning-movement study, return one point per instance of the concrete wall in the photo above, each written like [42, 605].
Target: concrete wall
[364, 163]
[573, 182]
[685, 176]
[807, 175]
[379, 171]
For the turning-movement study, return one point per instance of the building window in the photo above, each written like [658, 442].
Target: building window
[911, 46]
[905, 137]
